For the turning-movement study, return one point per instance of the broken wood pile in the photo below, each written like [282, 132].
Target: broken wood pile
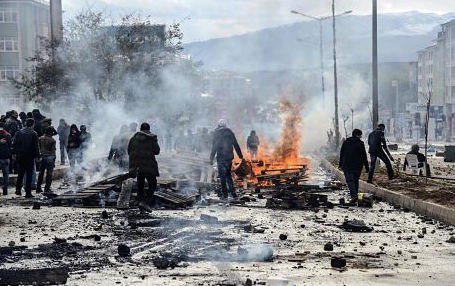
[289, 200]
[283, 176]
[106, 192]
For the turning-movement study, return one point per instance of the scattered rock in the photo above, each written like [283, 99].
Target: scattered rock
[328, 246]
[338, 262]
[123, 250]
[420, 235]
[451, 239]
[22, 239]
[424, 230]
[400, 252]
[36, 206]
[414, 256]
[363, 243]
[302, 226]
[283, 236]
[11, 243]
[59, 240]
[104, 215]
[96, 237]
[248, 282]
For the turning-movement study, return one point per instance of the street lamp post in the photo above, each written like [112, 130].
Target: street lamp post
[321, 19]
[321, 44]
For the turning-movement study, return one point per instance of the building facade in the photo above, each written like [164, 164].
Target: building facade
[436, 77]
[22, 24]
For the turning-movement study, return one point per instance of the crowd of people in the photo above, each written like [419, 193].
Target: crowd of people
[27, 145]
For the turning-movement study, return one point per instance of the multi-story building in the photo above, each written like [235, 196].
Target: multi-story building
[436, 77]
[22, 23]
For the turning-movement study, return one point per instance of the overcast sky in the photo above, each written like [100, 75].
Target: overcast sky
[220, 18]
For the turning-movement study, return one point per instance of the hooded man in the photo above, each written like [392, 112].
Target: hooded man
[252, 144]
[224, 142]
[74, 146]
[63, 131]
[5, 154]
[38, 117]
[142, 149]
[353, 158]
[26, 150]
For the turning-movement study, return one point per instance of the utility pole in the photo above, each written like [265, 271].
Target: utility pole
[321, 54]
[375, 64]
[335, 80]
[321, 44]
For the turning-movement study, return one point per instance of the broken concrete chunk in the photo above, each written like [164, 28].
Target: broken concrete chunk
[338, 262]
[328, 246]
[123, 250]
[451, 239]
[104, 215]
[283, 236]
[36, 206]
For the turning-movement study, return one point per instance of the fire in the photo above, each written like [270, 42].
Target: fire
[284, 157]
[288, 149]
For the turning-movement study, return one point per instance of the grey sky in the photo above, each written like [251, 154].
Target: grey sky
[219, 18]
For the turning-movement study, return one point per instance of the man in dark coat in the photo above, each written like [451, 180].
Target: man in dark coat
[353, 158]
[5, 154]
[26, 150]
[378, 149]
[142, 149]
[38, 117]
[252, 144]
[74, 146]
[12, 125]
[224, 142]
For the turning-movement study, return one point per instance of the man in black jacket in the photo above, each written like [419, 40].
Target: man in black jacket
[26, 150]
[353, 158]
[224, 142]
[142, 149]
[378, 149]
[5, 154]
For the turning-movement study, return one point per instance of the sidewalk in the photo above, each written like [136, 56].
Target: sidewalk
[435, 200]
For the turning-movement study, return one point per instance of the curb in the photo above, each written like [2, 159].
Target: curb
[420, 207]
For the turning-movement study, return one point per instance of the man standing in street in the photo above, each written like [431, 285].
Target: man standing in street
[142, 149]
[26, 150]
[5, 154]
[63, 131]
[47, 150]
[378, 149]
[224, 142]
[353, 158]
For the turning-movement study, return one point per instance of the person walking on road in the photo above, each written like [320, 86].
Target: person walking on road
[224, 142]
[142, 149]
[378, 149]
[353, 158]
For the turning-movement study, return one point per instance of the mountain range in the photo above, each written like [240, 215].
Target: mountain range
[296, 46]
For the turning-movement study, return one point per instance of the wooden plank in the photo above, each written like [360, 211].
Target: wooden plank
[45, 276]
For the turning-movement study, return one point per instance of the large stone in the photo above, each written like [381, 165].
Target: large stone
[338, 262]
[123, 250]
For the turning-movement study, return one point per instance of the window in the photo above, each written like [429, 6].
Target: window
[8, 15]
[8, 73]
[8, 44]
